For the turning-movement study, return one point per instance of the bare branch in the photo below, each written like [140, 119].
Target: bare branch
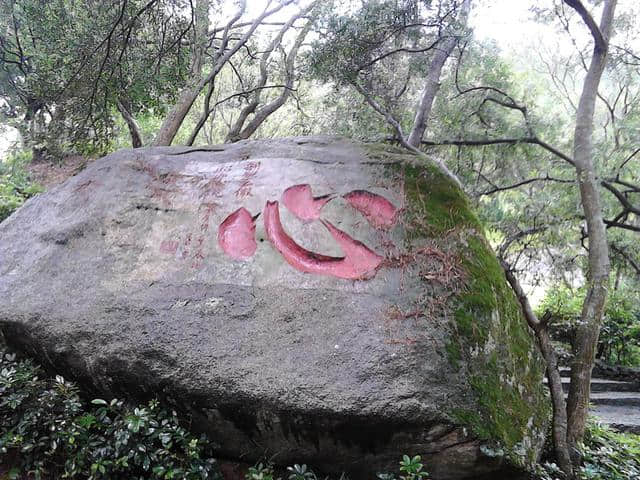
[553, 373]
[546, 178]
[626, 204]
[498, 141]
[600, 43]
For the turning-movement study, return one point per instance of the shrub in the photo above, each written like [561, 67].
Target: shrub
[619, 339]
[15, 186]
[47, 431]
[411, 468]
[606, 455]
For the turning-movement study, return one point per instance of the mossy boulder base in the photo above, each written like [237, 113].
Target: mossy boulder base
[306, 299]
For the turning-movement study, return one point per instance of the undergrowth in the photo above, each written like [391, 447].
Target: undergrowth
[15, 185]
[48, 432]
[606, 455]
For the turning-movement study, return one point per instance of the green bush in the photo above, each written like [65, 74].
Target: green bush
[619, 341]
[411, 468]
[15, 186]
[47, 431]
[606, 455]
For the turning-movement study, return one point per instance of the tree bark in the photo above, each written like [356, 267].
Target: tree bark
[206, 112]
[134, 129]
[188, 95]
[176, 116]
[588, 330]
[432, 82]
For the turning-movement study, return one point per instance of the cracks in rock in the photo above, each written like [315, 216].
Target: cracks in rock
[193, 150]
[312, 141]
[394, 162]
[319, 162]
[140, 206]
[364, 162]
[447, 447]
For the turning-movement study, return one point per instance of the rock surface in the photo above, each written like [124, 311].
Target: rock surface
[362, 334]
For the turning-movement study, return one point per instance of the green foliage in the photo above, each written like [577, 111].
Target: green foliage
[15, 185]
[619, 341]
[300, 472]
[384, 48]
[66, 65]
[606, 455]
[46, 430]
[265, 471]
[411, 468]
[347, 42]
[260, 471]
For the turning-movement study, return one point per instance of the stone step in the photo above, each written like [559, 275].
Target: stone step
[604, 385]
[615, 403]
[629, 399]
[620, 418]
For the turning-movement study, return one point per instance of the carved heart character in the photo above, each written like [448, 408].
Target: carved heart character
[359, 261]
[236, 235]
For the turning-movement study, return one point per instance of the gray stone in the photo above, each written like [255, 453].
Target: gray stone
[116, 279]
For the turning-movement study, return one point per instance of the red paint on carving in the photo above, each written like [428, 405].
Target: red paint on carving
[236, 235]
[164, 195]
[186, 244]
[379, 211]
[198, 257]
[357, 256]
[168, 246]
[205, 210]
[246, 182]
[299, 200]
[359, 261]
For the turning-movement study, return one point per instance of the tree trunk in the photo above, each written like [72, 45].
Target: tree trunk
[134, 130]
[206, 111]
[263, 113]
[432, 83]
[588, 330]
[176, 116]
[539, 327]
[241, 132]
[188, 95]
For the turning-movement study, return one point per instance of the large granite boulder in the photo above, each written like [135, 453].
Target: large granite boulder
[309, 299]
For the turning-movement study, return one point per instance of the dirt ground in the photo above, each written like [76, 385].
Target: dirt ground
[51, 174]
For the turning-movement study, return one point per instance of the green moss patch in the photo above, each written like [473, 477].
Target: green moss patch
[490, 343]
[442, 208]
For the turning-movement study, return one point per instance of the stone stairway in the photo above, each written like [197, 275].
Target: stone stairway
[615, 403]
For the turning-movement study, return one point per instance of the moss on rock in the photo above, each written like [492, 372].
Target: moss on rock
[490, 343]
